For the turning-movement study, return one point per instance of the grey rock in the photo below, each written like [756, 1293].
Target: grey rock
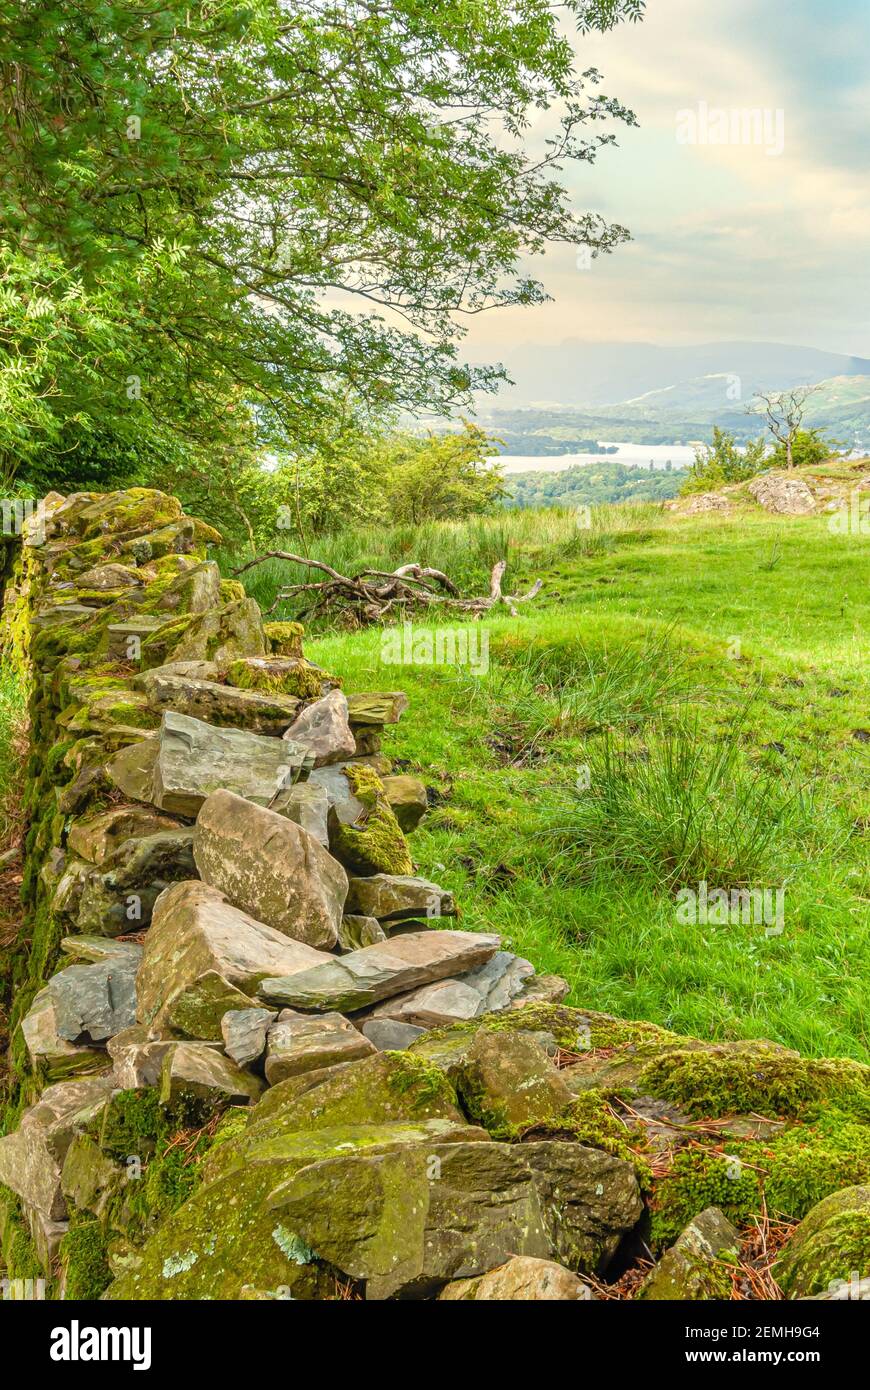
[364, 977]
[322, 729]
[217, 704]
[407, 798]
[390, 1036]
[47, 1049]
[101, 948]
[196, 937]
[137, 1057]
[94, 1002]
[777, 492]
[307, 805]
[521, 1279]
[268, 866]
[195, 1072]
[386, 1219]
[244, 1034]
[195, 759]
[690, 1269]
[341, 801]
[356, 932]
[125, 638]
[122, 898]
[32, 1156]
[131, 769]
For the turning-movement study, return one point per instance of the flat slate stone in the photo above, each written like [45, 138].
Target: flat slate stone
[364, 977]
[97, 838]
[383, 1219]
[244, 1033]
[270, 867]
[487, 989]
[131, 769]
[195, 759]
[196, 1072]
[31, 1157]
[223, 705]
[377, 707]
[300, 1043]
[47, 1049]
[390, 1036]
[392, 897]
[357, 932]
[94, 1002]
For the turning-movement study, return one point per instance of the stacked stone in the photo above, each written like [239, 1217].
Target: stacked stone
[255, 1058]
[216, 855]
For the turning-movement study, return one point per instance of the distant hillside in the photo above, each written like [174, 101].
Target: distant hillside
[678, 415]
[577, 374]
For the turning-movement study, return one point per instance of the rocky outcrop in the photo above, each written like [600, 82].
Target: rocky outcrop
[778, 492]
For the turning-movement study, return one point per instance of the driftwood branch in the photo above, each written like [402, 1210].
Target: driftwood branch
[369, 596]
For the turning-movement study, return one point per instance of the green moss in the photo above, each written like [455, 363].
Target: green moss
[18, 1256]
[83, 1257]
[301, 680]
[591, 1120]
[376, 845]
[284, 639]
[420, 1083]
[231, 590]
[794, 1171]
[715, 1082]
[701, 1178]
[829, 1248]
[132, 1123]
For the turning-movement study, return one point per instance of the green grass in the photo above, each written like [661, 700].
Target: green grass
[11, 717]
[714, 698]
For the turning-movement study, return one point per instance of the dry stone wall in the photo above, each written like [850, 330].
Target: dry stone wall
[254, 1055]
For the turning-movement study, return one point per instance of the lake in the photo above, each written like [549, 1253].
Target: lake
[633, 455]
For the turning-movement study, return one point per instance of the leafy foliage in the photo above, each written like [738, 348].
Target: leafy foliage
[271, 216]
[724, 462]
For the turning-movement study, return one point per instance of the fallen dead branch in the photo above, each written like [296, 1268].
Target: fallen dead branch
[368, 597]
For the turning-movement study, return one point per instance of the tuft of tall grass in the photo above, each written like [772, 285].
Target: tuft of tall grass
[680, 809]
[606, 685]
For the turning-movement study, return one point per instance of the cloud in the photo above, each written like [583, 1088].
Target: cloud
[729, 240]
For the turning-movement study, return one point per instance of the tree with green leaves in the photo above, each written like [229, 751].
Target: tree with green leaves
[229, 225]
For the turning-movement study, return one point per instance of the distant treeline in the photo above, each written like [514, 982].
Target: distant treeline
[589, 484]
[538, 445]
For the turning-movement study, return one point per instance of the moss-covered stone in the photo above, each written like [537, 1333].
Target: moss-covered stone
[721, 1080]
[280, 676]
[374, 844]
[830, 1247]
[83, 1261]
[284, 639]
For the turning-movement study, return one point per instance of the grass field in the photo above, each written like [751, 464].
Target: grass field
[686, 700]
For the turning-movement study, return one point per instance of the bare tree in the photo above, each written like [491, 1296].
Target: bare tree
[784, 413]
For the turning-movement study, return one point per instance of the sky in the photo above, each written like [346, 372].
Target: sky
[765, 242]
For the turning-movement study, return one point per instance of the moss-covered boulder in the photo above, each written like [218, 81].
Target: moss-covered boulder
[508, 1084]
[830, 1248]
